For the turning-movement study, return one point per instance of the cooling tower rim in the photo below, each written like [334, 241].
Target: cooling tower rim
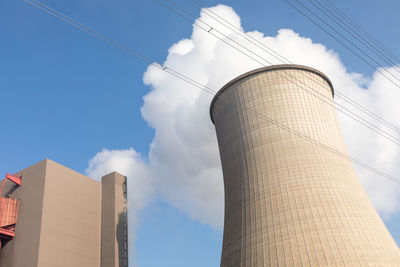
[265, 69]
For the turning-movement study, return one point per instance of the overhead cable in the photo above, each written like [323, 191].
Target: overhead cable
[284, 60]
[374, 65]
[260, 60]
[187, 79]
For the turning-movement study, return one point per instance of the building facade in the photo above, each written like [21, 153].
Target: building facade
[64, 218]
[290, 200]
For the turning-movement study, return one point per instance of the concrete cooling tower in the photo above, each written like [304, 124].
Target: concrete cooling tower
[290, 200]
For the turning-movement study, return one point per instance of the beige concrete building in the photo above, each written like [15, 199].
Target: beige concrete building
[66, 219]
[289, 201]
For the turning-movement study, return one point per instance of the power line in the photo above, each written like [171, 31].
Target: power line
[342, 43]
[386, 123]
[202, 87]
[353, 33]
[361, 30]
[321, 97]
[370, 126]
[287, 61]
[239, 31]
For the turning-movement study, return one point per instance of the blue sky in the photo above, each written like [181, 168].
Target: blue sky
[67, 96]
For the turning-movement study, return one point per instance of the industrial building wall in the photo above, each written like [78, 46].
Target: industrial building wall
[114, 229]
[70, 230]
[288, 201]
[23, 250]
[65, 220]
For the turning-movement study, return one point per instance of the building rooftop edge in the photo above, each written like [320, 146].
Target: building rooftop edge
[47, 161]
[114, 173]
[268, 68]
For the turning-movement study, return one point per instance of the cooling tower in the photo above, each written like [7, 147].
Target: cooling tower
[290, 200]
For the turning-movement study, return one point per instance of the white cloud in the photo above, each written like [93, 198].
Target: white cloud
[184, 154]
[181, 48]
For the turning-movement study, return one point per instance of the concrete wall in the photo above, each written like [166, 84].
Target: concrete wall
[114, 247]
[70, 232]
[288, 201]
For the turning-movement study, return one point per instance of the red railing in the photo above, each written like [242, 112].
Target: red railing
[11, 178]
[8, 211]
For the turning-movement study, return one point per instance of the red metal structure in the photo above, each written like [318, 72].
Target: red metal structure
[11, 178]
[8, 211]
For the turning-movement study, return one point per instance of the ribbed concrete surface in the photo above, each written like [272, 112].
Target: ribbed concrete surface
[289, 202]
